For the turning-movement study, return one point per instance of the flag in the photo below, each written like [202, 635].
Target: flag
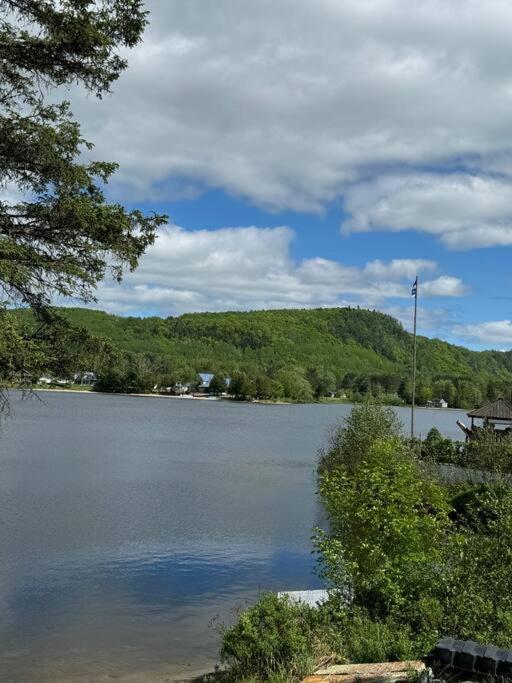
[415, 288]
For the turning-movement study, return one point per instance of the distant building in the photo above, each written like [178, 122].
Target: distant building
[437, 403]
[85, 378]
[205, 379]
[179, 389]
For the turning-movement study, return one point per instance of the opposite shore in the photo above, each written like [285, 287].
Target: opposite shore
[325, 402]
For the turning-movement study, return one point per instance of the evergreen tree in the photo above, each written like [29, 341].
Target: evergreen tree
[59, 236]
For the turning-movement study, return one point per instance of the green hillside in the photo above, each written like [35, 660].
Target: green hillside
[350, 351]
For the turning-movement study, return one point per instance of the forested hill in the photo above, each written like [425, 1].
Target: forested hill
[351, 351]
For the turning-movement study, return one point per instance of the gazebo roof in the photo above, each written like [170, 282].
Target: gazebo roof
[496, 410]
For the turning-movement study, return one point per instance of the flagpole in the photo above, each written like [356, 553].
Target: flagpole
[414, 356]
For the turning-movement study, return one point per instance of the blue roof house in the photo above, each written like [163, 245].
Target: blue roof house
[205, 379]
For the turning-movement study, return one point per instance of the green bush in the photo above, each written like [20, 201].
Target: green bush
[478, 602]
[489, 452]
[363, 639]
[477, 508]
[437, 449]
[387, 522]
[350, 444]
[275, 637]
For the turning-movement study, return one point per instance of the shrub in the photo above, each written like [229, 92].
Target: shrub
[477, 508]
[437, 449]
[350, 444]
[275, 637]
[478, 602]
[489, 452]
[363, 639]
[387, 523]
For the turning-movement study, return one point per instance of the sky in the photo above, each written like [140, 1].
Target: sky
[315, 153]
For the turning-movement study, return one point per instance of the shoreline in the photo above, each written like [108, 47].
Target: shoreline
[165, 396]
[326, 402]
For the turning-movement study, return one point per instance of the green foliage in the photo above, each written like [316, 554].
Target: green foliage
[273, 638]
[218, 384]
[242, 386]
[351, 443]
[477, 508]
[479, 596]
[294, 384]
[306, 353]
[386, 524]
[437, 449]
[359, 638]
[490, 451]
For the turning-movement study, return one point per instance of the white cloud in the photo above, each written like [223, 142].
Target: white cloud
[463, 211]
[249, 268]
[285, 103]
[495, 332]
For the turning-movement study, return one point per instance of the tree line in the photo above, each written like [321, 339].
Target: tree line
[299, 355]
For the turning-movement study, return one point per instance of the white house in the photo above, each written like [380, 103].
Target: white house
[437, 403]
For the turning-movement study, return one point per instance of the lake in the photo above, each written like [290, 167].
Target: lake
[127, 524]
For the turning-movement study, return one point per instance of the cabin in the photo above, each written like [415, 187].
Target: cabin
[437, 403]
[496, 415]
[205, 379]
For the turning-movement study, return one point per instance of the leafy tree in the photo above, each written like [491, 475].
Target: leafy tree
[490, 452]
[218, 384]
[444, 388]
[295, 385]
[387, 525]
[59, 236]
[241, 386]
[263, 387]
[436, 449]
[322, 381]
[350, 444]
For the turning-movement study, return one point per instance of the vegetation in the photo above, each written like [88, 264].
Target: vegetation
[407, 556]
[301, 355]
[58, 235]
[275, 639]
[489, 454]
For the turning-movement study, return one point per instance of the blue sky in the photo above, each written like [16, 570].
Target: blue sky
[485, 272]
[319, 161]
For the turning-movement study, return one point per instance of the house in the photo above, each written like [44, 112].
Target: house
[437, 403]
[179, 389]
[205, 379]
[85, 378]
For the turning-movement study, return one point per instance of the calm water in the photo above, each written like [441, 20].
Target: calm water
[127, 523]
